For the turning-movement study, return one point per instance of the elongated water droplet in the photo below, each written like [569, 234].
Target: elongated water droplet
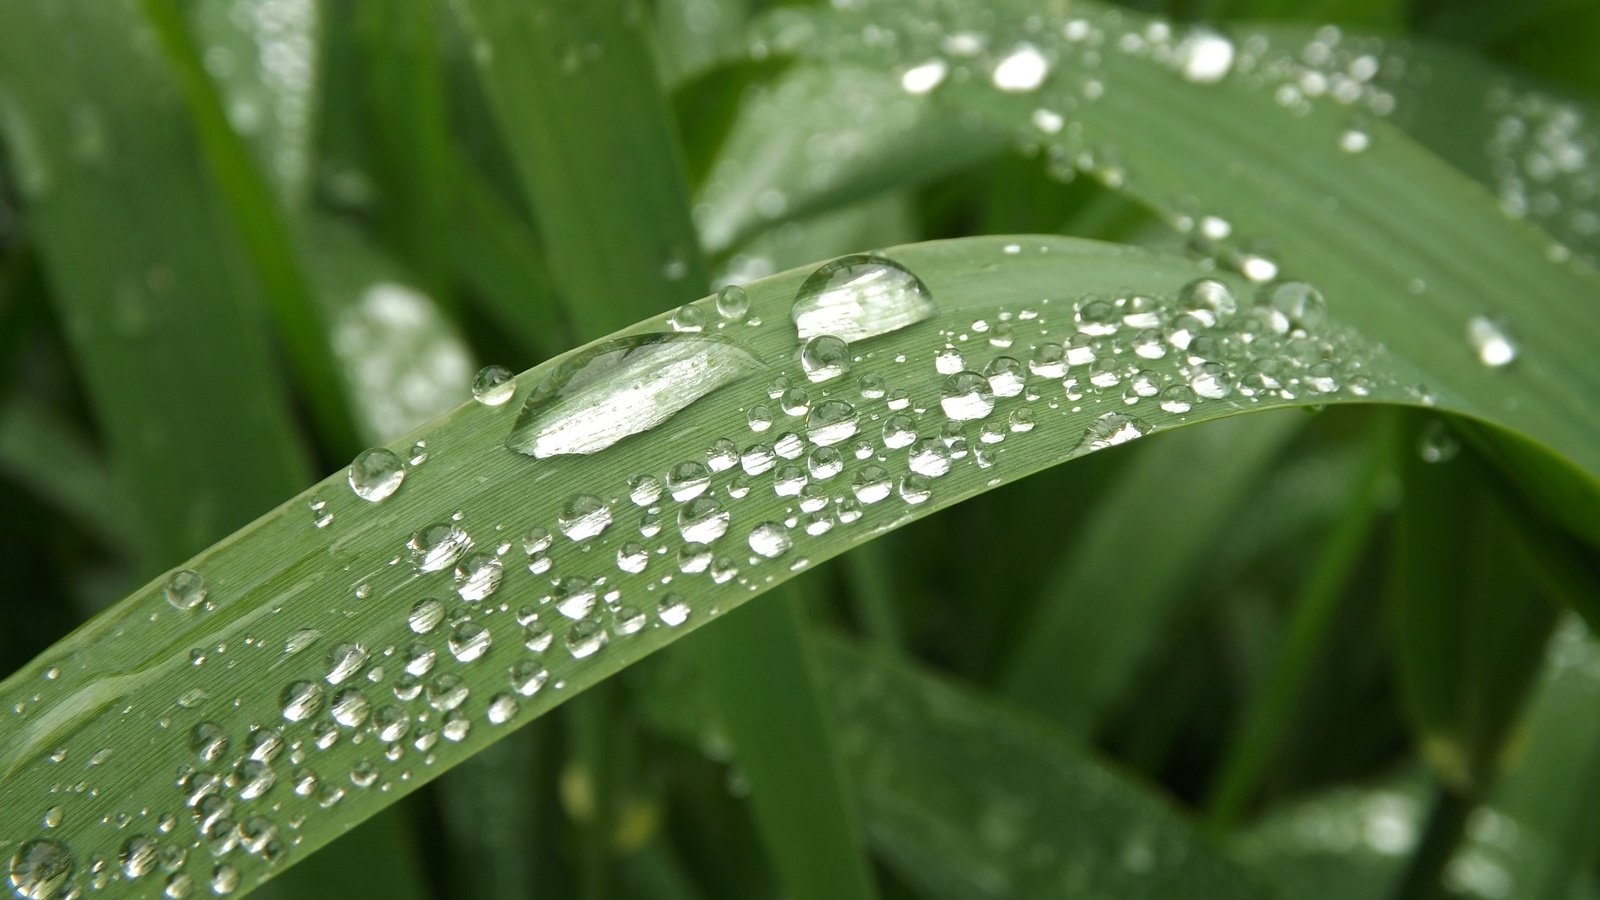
[344, 661]
[185, 589]
[376, 474]
[623, 387]
[858, 297]
[493, 385]
[1112, 429]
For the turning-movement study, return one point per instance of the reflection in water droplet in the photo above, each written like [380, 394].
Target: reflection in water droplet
[824, 357]
[965, 396]
[770, 540]
[376, 474]
[623, 387]
[672, 610]
[301, 700]
[477, 576]
[185, 589]
[437, 546]
[584, 517]
[831, 422]
[493, 385]
[858, 297]
[425, 615]
[40, 870]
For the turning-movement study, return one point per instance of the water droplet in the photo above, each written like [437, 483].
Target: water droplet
[437, 546]
[477, 576]
[823, 463]
[574, 596]
[494, 385]
[301, 700]
[794, 402]
[831, 422]
[585, 638]
[687, 480]
[138, 856]
[584, 517]
[446, 691]
[824, 357]
[425, 615]
[40, 870]
[1006, 376]
[623, 387]
[948, 361]
[672, 610]
[502, 709]
[871, 484]
[1112, 429]
[965, 396]
[528, 677]
[914, 489]
[1177, 399]
[1048, 361]
[1490, 340]
[469, 641]
[930, 458]
[733, 303]
[1299, 302]
[376, 474]
[224, 879]
[703, 520]
[873, 386]
[759, 418]
[770, 540]
[391, 723]
[1021, 70]
[632, 557]
[1354, 140]
[185, 589]
[344, 661]
[1205, 57]
[858, 297]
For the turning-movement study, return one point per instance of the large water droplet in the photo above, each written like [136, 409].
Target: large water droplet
[301, 701]
[493, 385]
[1491, 341]
[733, 303]
[858, 297]
[40, 870]
[185, 589]
[574, 596]
[623, 387]
[376, 474]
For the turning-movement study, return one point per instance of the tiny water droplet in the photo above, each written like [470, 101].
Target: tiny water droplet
[376, 474]
[1436, 443]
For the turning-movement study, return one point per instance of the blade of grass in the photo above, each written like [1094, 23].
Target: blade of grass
[282, 581]
[1269, 715]
[1406, 231]
[263, 231]
[1046, 818]
[43, 454]
[1097, 617]
[160, 315]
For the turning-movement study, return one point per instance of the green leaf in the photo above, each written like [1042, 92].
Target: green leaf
[284, 594]
[1047, 818]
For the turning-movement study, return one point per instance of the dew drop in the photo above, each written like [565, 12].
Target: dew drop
[502, 709]
[469, 641]
[437, 546]
[376, 474]
[703, 520]
[623, 387]
[425, 615]
[966, 396]
[528, 677]
[40, 870]
[1021, 70]
[301, 700]
[830, 422]
[575, 596]
[185, 589]
[477, 576]
[446, 691]
[824, 357]
[687, 480]
[1112, 429]
[138, 857]
[672, 610]
[733, 303]
[770, 540]
[923, 78]
[585, 638]
[858, 297]
[493, 385]
[584, 517]
[1205, 57]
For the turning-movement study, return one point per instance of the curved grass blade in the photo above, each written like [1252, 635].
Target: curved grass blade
[1324, 189]
[305, 634]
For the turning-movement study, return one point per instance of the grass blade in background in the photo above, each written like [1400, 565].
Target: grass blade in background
[1046, 819]
[1098, 617]
[40, 451]
[154, 297]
